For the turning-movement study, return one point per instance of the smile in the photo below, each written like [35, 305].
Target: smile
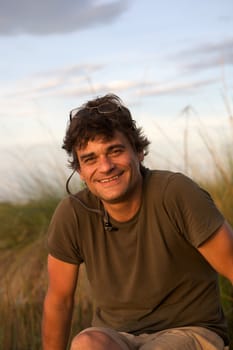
[109, 179]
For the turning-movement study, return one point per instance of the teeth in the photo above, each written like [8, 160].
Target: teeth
[111, 179]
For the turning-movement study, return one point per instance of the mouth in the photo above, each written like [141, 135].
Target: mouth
[109, 179]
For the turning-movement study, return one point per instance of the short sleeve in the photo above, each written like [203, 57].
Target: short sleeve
[63, 233]
[191, 209]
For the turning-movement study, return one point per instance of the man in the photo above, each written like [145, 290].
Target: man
[153, 243]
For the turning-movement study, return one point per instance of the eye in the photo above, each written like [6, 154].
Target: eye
[116, 151]
[89, 160]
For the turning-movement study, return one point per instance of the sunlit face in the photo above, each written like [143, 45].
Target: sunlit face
[111, 169]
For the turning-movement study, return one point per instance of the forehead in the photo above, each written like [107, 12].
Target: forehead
[118, 138]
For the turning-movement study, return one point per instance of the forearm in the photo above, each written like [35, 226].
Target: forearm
[56, 324]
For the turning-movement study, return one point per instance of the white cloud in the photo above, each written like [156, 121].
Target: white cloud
[175, 89]
[65, 81]
[74, 81]
[206, 56]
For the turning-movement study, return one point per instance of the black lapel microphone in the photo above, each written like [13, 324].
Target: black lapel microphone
[108, 227]
[107, 224]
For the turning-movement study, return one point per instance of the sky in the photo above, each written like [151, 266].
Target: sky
[171, 62]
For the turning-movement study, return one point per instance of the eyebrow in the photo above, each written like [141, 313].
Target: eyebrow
[116, 145]
[87, 155]
[109, 149]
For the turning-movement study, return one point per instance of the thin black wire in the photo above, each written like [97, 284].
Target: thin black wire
[107, 225]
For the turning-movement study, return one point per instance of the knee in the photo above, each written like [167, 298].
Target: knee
[90, 340]
[82, 341]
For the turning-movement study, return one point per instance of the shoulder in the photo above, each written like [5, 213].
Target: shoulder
[168, 176]
[174, 188]
[181, 186]
[170, 180]
[78, 202]
[162, 179]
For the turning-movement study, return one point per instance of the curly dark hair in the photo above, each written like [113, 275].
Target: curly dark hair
[102, 116]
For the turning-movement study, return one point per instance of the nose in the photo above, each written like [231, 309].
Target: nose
[106, 164]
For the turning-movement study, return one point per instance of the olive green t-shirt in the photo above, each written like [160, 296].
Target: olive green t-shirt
[146, 275]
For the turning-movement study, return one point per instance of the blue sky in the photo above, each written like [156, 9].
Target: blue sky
[160, 57]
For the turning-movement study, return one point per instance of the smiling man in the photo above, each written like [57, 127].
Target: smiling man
[153, 243]
[111, 171]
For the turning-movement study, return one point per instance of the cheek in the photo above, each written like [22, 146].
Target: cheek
[85, 173]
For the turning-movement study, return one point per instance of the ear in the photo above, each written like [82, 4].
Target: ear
[141, 156]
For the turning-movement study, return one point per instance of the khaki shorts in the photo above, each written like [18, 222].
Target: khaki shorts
[185, 338]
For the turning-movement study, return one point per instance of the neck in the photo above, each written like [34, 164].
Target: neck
[125, 209]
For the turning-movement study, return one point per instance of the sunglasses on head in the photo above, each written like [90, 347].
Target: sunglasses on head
[103, 108]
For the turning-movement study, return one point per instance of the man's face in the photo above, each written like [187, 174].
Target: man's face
[111, 169]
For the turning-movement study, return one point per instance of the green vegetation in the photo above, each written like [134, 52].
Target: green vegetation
[23, 274]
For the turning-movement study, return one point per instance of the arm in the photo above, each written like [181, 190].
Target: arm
[218, 251]
[58, 304]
